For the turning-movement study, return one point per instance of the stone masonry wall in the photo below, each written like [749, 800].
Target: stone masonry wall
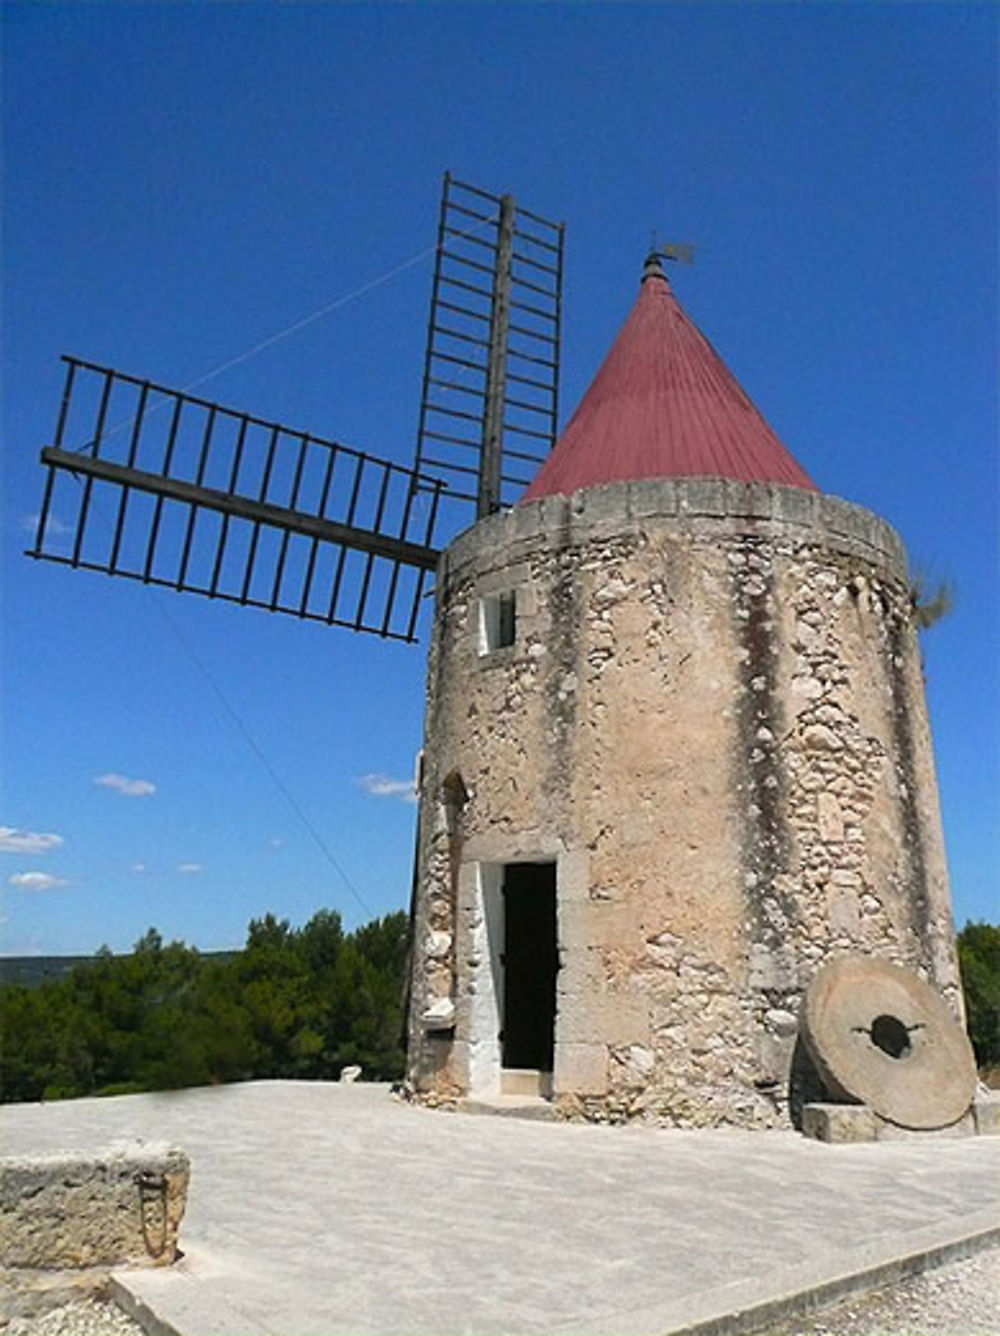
[712, 721]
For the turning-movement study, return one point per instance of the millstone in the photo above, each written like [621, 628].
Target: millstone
[880, 1035]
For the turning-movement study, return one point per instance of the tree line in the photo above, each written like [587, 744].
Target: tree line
[294, 1003]
[979, 961]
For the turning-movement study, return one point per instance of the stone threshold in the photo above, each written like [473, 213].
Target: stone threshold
[533, 1107]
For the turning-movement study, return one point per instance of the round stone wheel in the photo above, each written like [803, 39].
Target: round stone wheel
[880, 1035]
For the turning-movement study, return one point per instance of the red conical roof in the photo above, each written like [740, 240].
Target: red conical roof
[663, 405]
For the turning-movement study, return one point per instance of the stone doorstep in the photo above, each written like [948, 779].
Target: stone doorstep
[844, 1123]
[533, 1107]
[525, 1081]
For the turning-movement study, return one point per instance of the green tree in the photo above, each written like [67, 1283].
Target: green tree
[29, 1044]
[294, 1003]
[979, 960]
[364, 1022]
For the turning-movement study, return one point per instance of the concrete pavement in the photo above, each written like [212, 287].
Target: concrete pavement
[320, 1209]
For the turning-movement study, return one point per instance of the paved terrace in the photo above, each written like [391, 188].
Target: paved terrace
[318, 1209]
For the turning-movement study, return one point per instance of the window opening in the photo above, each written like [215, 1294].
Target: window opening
[497, 621]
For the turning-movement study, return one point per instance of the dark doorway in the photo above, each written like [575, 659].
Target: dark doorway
[531, 962]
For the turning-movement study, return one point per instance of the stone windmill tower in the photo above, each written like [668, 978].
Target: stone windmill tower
[676, 757]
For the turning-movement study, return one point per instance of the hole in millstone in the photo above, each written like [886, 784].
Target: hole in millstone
[890, 1035]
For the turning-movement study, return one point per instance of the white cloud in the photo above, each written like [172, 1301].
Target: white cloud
[382, 786]
[276, 842]
[53, 527]
[131, 788]
[36, 881]
[138, 867]
[190, 869]
[26, 841]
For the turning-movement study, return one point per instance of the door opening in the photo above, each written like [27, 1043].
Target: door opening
[530, 965]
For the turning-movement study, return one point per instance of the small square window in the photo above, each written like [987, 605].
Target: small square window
[497, 621]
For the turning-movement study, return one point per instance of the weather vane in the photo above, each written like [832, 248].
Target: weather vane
[682, 251]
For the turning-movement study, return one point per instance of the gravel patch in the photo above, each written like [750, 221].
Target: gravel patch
[88, 1317]
[957, 1299]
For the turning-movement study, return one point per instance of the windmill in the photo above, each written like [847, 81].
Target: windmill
[169, 488]
[676, 734]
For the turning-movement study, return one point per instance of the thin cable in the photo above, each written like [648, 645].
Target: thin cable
[189, 648]
[310, 319]
[255, 747]
[293, 329]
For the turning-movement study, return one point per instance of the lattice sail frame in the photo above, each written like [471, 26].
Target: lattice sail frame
[490, 401]
[185, 493]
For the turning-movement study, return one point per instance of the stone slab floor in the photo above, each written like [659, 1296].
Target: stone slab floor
[320, 1209]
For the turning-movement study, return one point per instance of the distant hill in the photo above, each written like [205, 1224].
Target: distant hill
[30, 971]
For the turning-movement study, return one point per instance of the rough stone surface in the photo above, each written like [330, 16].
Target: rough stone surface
[121, 1205]
[712, 721]
[986, 1113]
[838, 1122]
[879, 1035]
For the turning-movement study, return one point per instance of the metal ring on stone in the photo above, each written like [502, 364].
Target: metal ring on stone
[880, 1035]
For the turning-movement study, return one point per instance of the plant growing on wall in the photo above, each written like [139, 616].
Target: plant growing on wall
[930, 601]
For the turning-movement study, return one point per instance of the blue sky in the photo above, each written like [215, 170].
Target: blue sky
[181, 182]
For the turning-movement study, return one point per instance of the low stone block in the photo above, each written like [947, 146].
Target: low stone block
[986, 1114]
[838, 1123]
[120, 1206]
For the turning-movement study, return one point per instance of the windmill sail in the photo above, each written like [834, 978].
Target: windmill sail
[174, 490]
[490, 399]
